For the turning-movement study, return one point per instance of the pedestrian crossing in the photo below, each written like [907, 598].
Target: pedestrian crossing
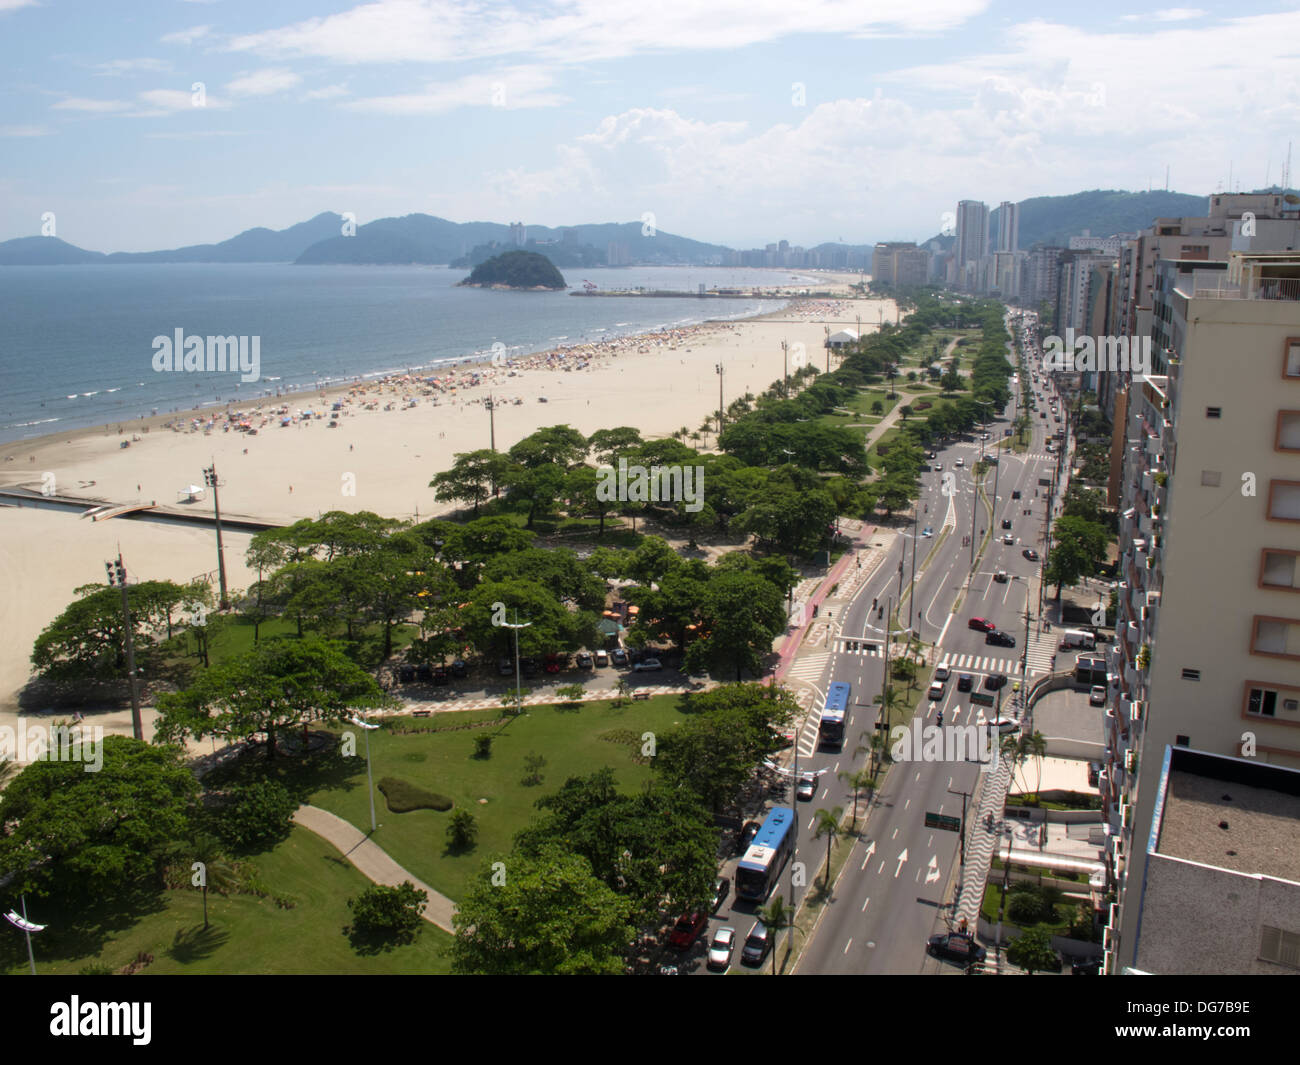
[1042, 652]
[872, 648]
[809, 668]
[982, 664]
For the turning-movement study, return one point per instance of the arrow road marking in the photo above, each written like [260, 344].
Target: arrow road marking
[901, 859]
[932, 870]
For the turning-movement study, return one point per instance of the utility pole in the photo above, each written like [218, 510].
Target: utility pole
[492, 422]
[964, 796]
[785, 362]
[911, 594]
[210, 479]
[718, 368]
[117, 575]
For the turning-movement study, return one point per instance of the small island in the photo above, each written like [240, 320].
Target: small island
[517, 270]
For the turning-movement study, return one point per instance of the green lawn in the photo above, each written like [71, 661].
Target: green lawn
[247, 935]
[575, 742]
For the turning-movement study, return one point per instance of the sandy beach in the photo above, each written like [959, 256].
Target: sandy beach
[391, 437]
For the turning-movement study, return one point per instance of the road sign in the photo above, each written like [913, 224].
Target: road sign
[948, 824]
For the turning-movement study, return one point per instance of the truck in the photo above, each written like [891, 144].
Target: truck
[1080, 638]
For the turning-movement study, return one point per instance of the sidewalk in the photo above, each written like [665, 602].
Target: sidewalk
[372, 860]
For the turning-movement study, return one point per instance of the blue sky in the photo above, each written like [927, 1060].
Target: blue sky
[738, 121]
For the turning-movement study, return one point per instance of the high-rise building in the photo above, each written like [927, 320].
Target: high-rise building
[972, 237]
[900, 263]
[1008, 226]
[1207, 648]
[518, 234]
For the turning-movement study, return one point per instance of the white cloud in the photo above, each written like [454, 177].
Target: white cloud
[25, 131]
[329, 92]
[130, 66]
[189, 36]
[169, 101]
[430, 31]
[516, 87]
[14, 5]
[80, 103]
[263, 83]
[1169, 14]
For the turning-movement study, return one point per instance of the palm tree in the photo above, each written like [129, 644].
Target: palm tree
[828, 825]
[1014, 751]
[776, 916]
[683, 433]
[218, 873]
[1036, 748]
[859, 781]
[891, 700]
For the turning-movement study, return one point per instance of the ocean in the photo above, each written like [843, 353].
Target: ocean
[77, 342]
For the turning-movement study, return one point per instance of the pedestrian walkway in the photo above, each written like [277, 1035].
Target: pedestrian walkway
[983, 664]
[372, 861]
[1042, 651]
[809, 668]
[543, 698]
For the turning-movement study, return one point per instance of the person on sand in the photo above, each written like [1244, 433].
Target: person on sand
[291, 489]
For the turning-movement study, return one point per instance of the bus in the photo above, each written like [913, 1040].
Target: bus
[833, 715]
[759, 869]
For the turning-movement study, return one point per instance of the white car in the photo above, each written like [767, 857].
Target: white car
[960, 462]
[720, 948]
[807, 786]
[1097, 697]
[602, 658]
[942, 673]
[647, 665]
[1004, 725]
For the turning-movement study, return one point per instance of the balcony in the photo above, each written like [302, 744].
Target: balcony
[1253, 288]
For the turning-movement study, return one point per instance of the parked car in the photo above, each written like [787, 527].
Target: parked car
[955, 946]
[747, 832]
[807, 786]
[441, 675]
[756, 945]
[647, 665]
[1030, 554]
[1015, 494]
[1085, 967]
[965, 682]
[1094, 774]
[1097, 697]
[459, 668]
[981, 625]
[687, 930]
[721, 888]
[1004, 726]
[406, 674]
[505, 667]
[998, 638]
[528, 666]
[724, 942]
[424, 673]
[584, 660]
[619, 657]
[602, 659]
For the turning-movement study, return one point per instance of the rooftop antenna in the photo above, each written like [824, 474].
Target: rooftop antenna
[1286, 170]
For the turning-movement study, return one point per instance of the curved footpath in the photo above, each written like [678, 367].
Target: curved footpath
[373, 861]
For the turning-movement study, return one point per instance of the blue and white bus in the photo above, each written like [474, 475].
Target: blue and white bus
[759, 869]
[834, 714]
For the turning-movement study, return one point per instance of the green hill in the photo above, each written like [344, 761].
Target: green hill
[517, 269]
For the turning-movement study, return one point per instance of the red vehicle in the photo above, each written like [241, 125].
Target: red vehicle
[687, 930]
[981, 625]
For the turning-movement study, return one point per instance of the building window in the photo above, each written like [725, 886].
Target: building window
[1211, 478]
[1191, 674]
[1277, 569]
[1262, 701]
[1214, 412]
[1279, 637]
[1291, 360]
[1277, 945]
[1284, 500]
[1288, 431]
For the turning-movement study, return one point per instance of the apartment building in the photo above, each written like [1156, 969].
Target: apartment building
[1207, 649]
[1008, 227]
[972, 238]
[1222, 887]
[900, 263]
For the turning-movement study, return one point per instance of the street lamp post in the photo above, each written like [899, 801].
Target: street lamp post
[785, 362]
[519, 695]
[210, 479]
[27, 928]
[370, 780]
[492, 422]
[718, 368]
[117, 575]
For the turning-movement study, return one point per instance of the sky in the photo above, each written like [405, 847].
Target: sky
[147, 124]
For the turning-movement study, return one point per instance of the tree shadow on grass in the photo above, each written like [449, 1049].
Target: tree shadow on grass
[192, 944]
[368, 944]
[78, 926]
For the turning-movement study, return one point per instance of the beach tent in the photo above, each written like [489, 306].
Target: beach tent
[842, 339]
[192, 494]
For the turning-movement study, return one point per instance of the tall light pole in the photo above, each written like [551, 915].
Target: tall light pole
[718, 368]
[492, 422]
[117, 576]
[210, 479]
[27, 928]
[785, 362]
[911, 594]
[370, 780]
[519, 696]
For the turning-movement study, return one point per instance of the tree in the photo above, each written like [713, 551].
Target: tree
[254, 814]
[217, 871]
[1032, 951]
[1077, 548]
[584, 496]
[550, 915]
[742, 614]
[556, 446]
[63, 829]
[483, 745]
[462, 831]
[276, 685]
[828, 825]
[390, 913]
[537, 487]
[859, 781]
[776, 917]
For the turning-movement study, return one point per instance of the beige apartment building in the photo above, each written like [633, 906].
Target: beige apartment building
[1207, 649]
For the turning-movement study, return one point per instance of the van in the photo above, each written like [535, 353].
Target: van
[1078, 638]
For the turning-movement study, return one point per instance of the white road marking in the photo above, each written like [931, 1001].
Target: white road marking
[895, 835]
[907, 804]
[848, 944]
[882, 867]
[864, 904]
[901, 859]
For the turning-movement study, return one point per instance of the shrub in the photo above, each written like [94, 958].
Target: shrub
[462, 831]
[403, 797]
[483, 746]
[254, 815]
[388, 912]
[1025, 906]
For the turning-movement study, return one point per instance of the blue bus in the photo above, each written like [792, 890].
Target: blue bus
[834, 714]
[759, 869]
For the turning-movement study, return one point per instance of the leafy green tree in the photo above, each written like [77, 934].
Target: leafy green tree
[389, 913]
[584, 497]
[474, 477]
[551, 625]
[606, 445]
[483, 745]
[483, 539]
[1032, 951]
[828, 825]
[1077, 548]
[859, 781]
[538, 488]
[277, 685]
[555, 445]
[462, 831]
[557, 569]
[219, 873]
[90, 834]
[742, 614]
[254, 815]
[551, 915]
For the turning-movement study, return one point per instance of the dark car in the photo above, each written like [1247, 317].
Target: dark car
[1015, 494]
[1085, 967]
[999, 638]
[528, 666]
[747, 833]
[995, 681]
[1030, 554]
[687, 930]
[618, 656]
[721, 888]
[584, 660]
[964, 682]
[459, 668]
[1006, 523]
[441, 675]
[955, 946]
[406, 674]
[756, 944]
[424, 673]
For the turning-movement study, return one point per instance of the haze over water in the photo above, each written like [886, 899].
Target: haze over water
[76, 342]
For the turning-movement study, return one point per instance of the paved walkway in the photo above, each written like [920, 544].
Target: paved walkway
[547, 697]
[372, 860]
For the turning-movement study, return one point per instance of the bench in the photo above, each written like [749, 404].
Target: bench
[421, 713]
[640, 695]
